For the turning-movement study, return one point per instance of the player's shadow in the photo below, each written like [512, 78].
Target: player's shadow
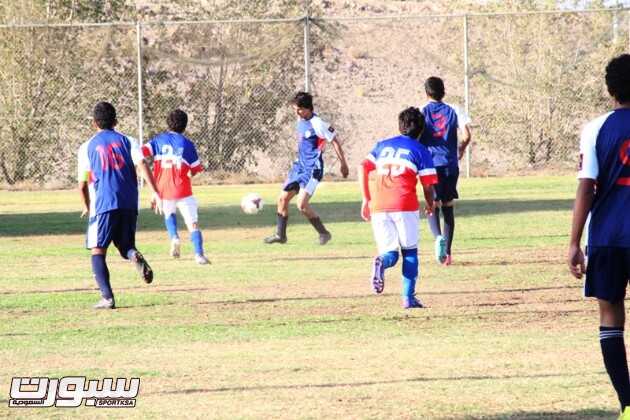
[536, 415]
[231, 217]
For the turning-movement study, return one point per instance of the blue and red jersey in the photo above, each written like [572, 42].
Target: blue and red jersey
[175, 161]
[399, 163]
[605, 158]
[440, 134]
[107, 163]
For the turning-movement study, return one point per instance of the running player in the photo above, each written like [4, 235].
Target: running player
[175, 161]
[108, 185]
[399, 163]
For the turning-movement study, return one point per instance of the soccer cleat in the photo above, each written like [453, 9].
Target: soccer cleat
[275, 239]
[448, 260]
[105, 304]
[625, 414]
[411, 302]
[201, 259]
[324, 238]
[143, 267]
[175, 248]
[378, 275]
[440, 249]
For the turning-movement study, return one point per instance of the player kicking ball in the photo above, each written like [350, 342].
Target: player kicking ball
[604, 192]
[308, 170]
[399, 163]
[108, 185]
[175, 162]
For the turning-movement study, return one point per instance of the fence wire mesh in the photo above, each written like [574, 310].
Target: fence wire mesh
[534, 79]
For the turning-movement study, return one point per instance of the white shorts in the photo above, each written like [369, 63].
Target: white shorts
[396, 229]
[187, 207]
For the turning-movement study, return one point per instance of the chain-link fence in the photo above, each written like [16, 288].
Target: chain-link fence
[528, 80]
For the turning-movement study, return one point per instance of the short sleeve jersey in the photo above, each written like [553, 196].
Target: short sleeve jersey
[313, 135]
[399, 163]
[175, 160]
[440, 134]
[107, 163]
[605, 158]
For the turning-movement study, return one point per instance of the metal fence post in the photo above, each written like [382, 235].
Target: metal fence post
[139, 68]
[466, 90]
[307, 50]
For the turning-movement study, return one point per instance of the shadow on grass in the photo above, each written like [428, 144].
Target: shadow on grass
[226, 217]
[556, 415]
[177, 289]
[370, 383]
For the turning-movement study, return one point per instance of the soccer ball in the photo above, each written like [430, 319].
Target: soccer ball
[252, 203]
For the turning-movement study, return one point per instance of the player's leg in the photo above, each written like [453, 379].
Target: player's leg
[170, 220]
[439, 245]
[189, 211]
[125, 241]
[607, 275]
[386, 237]
[450, 194]
[304, 206]
[282, 217]
[98, 238]
[407, 223]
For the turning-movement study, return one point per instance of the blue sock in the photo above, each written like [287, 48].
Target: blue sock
[449, 227]
[390, 258]
[101, 275]
[171, 226]
[409, 271]
[197, 240]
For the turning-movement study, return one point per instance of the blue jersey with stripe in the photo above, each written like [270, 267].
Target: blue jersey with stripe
[605, 157]
[107, 162]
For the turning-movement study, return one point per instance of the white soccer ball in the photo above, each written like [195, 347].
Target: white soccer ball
[252, 203]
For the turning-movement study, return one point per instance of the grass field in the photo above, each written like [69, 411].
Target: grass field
[294, 331]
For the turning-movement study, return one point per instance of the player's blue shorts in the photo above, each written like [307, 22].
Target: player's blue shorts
[607, 273]
[446, 188]
[303, 178]
[118, 226]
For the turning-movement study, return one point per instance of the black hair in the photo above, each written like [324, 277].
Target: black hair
[303, 100]
[104, 115]
[177, 121]
[618, 78]
[434, 87]
[411, 122]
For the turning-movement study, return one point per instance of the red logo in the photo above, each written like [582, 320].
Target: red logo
[624, 156]
[110, 158]
[440, 125]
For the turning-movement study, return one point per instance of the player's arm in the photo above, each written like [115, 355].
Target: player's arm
[342, 158]
[145, 172]
[465, 141]
[140, 156]
[583, 202]
[85, 198]
[429, 203]
[589, 171]
[363, 175]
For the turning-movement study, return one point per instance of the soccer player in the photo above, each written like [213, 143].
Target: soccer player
[308, 170]
[175, 161]
[399, 163]
[108, 185]
[440, 137]
[604, 192]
